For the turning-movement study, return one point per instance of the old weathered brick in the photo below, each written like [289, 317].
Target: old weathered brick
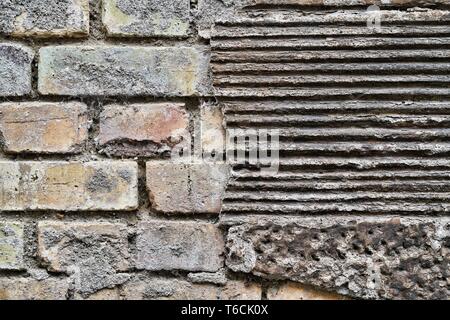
[68, 186]
[141, 288]
[166, 245]
[213, 132]
[93, 253]
[15, 69]
[169, 18]
[32, 289]
[297, 291]
[389, 258]
[186, 188]
[44, 18]
[11, 245]
[41, 127]
[143, 129]
[65, 244]
[128, 71]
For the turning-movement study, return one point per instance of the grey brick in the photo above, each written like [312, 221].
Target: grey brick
[127, 71]
[15, 69]
[44, 18]
[190, 246]
[167, 18]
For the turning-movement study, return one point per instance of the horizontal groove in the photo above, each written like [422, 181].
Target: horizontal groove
[333, 120]
[298, 68]
[434, 148]
[270, 32]
[314, 207]
[331, 92]
[374, 133]
[366, 163]
[318, 186]
[343, 18]
[335, 196]
[247, 175]
[338, 43]
[293, 56]
[290, 80]
[285, 107]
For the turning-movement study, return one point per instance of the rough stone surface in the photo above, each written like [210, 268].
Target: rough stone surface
[392, 258]
[219, 277]
[15, 69]
[190, 246]
[143, 129]
[115, 70]
[186, 188]
[11, 245]
[142, 288]
[209, 11]
[68, 186]
[39, 127]
[44, 18]
[93, 253]
[31, 289]
[213, 132]
[297, 291]
[168, 18]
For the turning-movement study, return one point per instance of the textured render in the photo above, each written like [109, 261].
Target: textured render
[179, 246]
[11, 245]
[102, 103]
[169, 18]
[37, 127]
[126, 71]
[15, 69]
[157, 129]
[44, 18]
[394, 258]
[68, 186]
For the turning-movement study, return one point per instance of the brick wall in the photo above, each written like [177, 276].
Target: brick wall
[97, 99]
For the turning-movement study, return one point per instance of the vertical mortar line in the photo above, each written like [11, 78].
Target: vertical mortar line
[143, 199]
